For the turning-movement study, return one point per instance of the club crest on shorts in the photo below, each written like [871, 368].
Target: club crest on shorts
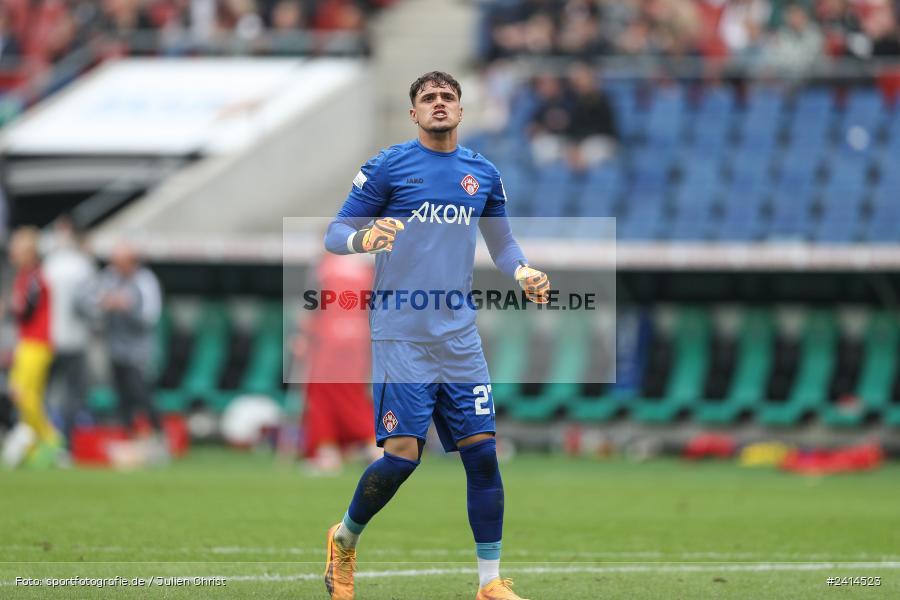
[389, 421]
[470, 184]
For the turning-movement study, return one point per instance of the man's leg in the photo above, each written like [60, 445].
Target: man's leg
[376, 487]
[120, 372]
[484, 502]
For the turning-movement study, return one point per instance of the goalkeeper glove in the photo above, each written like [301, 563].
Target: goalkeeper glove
[535, 283]
[377, 238]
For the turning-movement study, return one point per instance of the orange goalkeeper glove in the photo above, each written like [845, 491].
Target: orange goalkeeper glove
[379, 237]
[535, 283]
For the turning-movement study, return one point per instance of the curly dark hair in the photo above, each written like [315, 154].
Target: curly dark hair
[438, 78]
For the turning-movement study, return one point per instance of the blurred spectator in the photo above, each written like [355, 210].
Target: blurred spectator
[10, 48]
[742, 23]
[797, 46]
[552, 121]
[842, 29]
[126, 302]
[338, 414]
[30, 305]
[881, 27]
[69, 271]
[592, 132]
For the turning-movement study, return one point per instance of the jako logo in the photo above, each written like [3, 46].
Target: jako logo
[432, 213]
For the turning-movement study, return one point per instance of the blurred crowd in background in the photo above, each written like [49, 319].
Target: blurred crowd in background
[786, 34]
[58, 302]
[35, 34]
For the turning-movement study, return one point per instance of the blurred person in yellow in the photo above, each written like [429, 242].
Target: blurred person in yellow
[30, 306]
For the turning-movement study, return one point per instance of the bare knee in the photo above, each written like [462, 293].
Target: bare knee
[403, 446]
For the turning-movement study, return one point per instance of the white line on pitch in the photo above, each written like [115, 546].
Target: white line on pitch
[573, 569]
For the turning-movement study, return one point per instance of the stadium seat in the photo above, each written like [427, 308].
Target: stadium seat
[751, 371]
[600, 192]
[685, 383]
[599, 401]
[665, 119]
[882, 224]
[878, 369]
[509, 359]
[554, 191]
[865, 108]
[569, 350]
[629, 118]
[809, 385]
[208, 355]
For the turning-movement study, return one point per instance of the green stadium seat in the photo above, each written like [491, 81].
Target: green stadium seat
[685, 385]
[569, 354]
[509, 359]
[809, 391]
[208, 356]
[879, 368]
[748, 385]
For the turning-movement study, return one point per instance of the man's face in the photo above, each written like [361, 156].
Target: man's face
[436, 109]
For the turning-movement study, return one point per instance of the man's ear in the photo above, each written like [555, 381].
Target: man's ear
[460, 113]
[412, 116]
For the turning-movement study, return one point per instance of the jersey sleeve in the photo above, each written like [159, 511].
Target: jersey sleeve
[498, 193]
[368, 195]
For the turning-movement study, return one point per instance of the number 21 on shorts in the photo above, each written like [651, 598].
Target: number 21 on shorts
[482, 397]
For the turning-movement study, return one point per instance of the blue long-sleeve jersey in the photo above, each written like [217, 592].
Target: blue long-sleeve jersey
[441, 198]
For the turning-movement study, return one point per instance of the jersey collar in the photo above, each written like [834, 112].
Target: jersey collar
[435, 152]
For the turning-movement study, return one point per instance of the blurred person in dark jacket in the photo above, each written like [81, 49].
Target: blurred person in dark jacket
[591, 132]
[126, 302]
[552, 120]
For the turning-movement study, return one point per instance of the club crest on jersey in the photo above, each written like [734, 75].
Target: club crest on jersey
[389, 421]
[470, 184]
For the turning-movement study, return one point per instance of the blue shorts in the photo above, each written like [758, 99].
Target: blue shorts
[414, 383]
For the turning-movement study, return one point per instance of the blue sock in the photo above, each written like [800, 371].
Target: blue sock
[376, 487]
[485, 496]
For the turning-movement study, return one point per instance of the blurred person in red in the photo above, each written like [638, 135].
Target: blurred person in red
[30, 306]
[333, 343]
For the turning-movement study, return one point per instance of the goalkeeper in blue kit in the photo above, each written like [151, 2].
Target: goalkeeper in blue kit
[417, 206]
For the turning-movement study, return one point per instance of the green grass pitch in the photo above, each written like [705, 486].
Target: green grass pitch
[574, 529]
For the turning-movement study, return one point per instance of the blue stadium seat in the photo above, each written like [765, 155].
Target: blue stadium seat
[665, 119]
[517, 182]
[889, 178]
[849, 176]
[882, 223]
[840, 218]
[601, 190]
[741, 221]
[689, 229]
[750, 167]
[623, 98]
[711, 135]
[641, 223]
[764, 105]
[692, 194]
[554, 189]
[865, 108]
[717, 101]
[817, 101]
[808, 132]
